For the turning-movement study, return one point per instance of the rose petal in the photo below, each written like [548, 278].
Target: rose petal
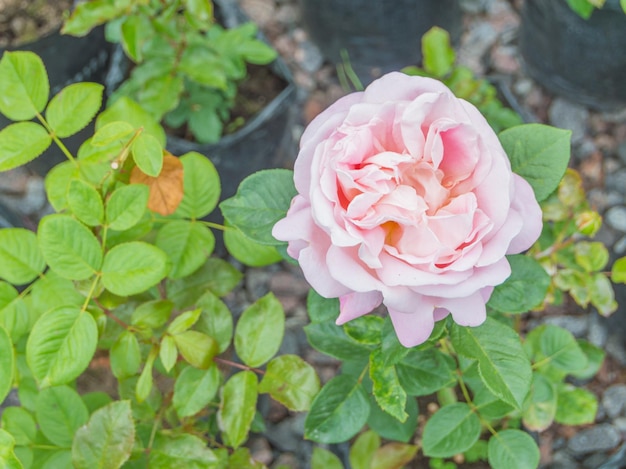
[355, 304]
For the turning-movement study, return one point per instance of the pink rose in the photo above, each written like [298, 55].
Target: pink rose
[407, 198]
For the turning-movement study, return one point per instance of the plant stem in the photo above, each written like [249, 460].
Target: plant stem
[224, 361]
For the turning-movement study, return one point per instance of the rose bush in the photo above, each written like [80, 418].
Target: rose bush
[407, 198]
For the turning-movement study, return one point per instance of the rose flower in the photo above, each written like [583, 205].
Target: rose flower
[406, 198]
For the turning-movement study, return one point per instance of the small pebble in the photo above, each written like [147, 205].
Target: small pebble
[598, 438]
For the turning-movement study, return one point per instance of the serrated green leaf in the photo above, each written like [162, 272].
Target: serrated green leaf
[61, 345]
[215, 320]
[595, 357]
[451, 430]
[365, 329]
[601, 294]
[57, 182]
[424, 372]
[618, 271]
[388, 426]
[575, 406]
[148, 154]
[363, 449]
[259, 331]
[85, 202]
[125, 355]
[187, 244]
[126, 206]
[560, 348]
[513, 449]
[136, 29]
[291, 381]
[69, 247]
[143, 387]
[239, 397]
[201, 186]
[195, 389]
[437, 52]
[8, 459]
[393, 456]
[539, 153]
[15, 315]
[60, 412]
[20, 258]
[168, 353]
[262, 199]
[96, 400]
[197, 349]
[181, 451]
[113, 132]
[389, 394]
[107, 439]
[73, 108]
[324, 459]
[591, 256]
[133, 267]
[321, 309]
[502, 363]
[184, 321]
[331, 339]
[338, 411]
[20, 424]
[24, 86]
[22, 142]
[152, 314]
[248, 252]
[540, 408]
[525, 288]
[127, 110]
[7, 363]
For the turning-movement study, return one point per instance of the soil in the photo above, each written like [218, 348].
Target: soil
[23, 21]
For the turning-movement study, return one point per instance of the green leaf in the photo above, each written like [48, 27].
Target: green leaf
[184, 321]
[181, 451]
[451, 430]
[256, 52]
[388, 427]
[152, 314]
[15, 315]
[561, 349]
[8, 460]
[618, 271]
[73, 108]
[60, 412]
[601, 293]
[540, 407]
[148, 154]
[324, 459]
[262, 199]
[424, 372]
[525, 288]
[215, 320]
[595, 358]
[291, 381]
[85, 202]
[197, 349]
[187, 244]
[591, 256]
[135, 33]
[20, 424]
[24, 86]
[57, 182]
[502, 363]
[22, 142]
[168, 353]
[96, 400]
[61, 345]
[248, 252]
[144, 383]
[331, 339]
[69, 247]
[239, 397]
[575, 406]
[363, 449]
[389, 394]
[20, 258]
[7, 363]
[539, 153]
[260, 331]
[513, 449]
[583, 8]
[365, 329]
[107, 440]
[125, 355]
[133, 267]
[127, 110]
[321, 309]
[393, 456]
[126, 206]
[114, 132]
[338, 412]
[195, 389]
[201, 186]
[438, 54]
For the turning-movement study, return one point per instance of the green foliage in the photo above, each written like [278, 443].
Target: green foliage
[186, 66]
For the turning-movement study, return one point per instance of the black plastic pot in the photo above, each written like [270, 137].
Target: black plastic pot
[379, 36]
[264, 142]
[68, 60]
[582, 60]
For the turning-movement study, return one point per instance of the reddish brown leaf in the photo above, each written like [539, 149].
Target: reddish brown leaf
[166, 190]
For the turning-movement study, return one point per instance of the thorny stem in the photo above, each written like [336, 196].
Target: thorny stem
[224, 361]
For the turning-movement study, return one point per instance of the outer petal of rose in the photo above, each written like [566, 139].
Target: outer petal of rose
[344, 265]
[413, 328]
[355, 304]
[297, 224]
[526, 205]
[468, 311]
[396, 86]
